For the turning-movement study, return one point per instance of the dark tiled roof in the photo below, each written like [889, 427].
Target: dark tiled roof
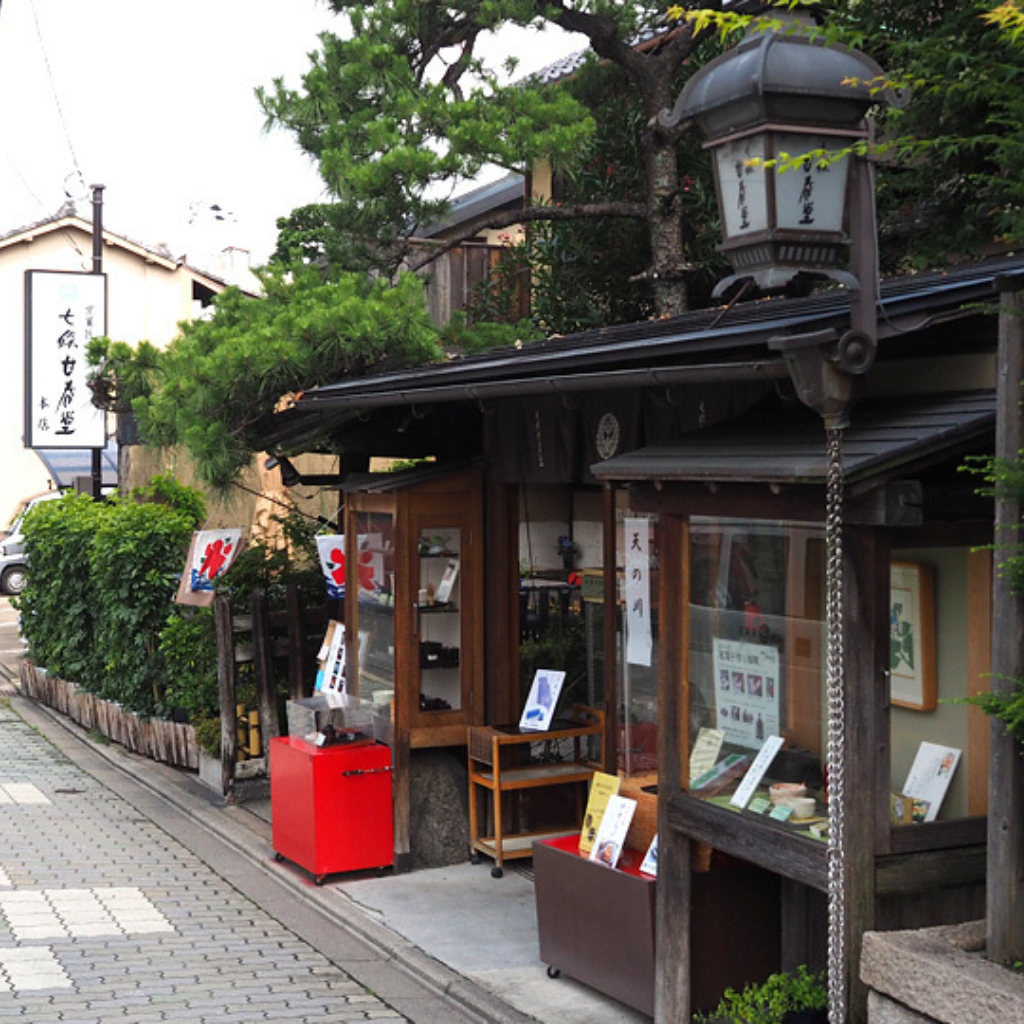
[733, 334]
[882, 436]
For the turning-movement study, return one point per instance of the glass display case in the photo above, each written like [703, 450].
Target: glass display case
[757, 670]
[414, 542]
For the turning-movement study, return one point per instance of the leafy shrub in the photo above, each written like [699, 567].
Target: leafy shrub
[773, 1000]
[102, 580]
[135, 560]
[188, 646]
[59, 604]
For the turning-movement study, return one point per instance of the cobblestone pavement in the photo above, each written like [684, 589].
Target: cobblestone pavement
[105, 916]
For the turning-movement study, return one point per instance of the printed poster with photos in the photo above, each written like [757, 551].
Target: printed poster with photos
[746, 691]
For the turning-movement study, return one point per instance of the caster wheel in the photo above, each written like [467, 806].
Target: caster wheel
[279, 857]
[378, 872]
[554, 972]
[496, 872]
[474, 858]
[319, 880]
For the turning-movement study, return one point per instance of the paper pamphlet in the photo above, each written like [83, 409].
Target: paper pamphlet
[765, 756]
[540, 705]
[730, 766]
[930, 776]
[705, 752]
[330, 677]
[612, 834]
[650, 862]
[443, 593]
[602, 788]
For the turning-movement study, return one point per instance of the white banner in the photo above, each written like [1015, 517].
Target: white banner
[63, 312]
[638, 592]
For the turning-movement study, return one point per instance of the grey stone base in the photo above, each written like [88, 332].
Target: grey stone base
[938, 976]
[439, 801]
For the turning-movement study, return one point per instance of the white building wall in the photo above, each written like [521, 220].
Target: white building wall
[147, 297]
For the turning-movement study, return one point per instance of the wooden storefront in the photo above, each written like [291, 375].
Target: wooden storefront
[688, 426]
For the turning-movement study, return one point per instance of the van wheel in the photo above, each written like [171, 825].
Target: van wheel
[13, 580]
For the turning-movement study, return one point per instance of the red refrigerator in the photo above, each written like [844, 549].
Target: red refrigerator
[331, 806]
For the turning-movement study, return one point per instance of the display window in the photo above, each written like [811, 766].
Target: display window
[757, 669]
[374, 679]
[755, 710]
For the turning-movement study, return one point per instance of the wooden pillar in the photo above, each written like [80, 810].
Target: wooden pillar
[502, 700]
[298, 668]
[866, 649]
[672, 971]
[266, 689]
[1006, 777]
[224, 625]
[610, 612]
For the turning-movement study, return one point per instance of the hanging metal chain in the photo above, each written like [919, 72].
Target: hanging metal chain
[836, 754]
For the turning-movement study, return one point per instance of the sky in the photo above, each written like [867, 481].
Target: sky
[156, 102]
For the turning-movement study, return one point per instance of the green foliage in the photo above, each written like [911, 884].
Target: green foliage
[188, 646]
[945, 188]
[404, 111]
[102, 581]
[473, 338]
[217, 380]
[165, 489]
[269, 567]
[135, 560]
[589, 272]
[1004, 479]
[121, 373]
[770, 1001]
[188, 640]
[208, 734]
[562, 647]
[386, 129]
[59, 604]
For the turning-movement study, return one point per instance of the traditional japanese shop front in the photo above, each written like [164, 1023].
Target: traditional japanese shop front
[743, 641]
[684, 434]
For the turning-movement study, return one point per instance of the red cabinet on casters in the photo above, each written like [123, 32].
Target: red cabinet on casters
[331, 806]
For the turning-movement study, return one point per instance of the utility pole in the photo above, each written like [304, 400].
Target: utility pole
[97, 268]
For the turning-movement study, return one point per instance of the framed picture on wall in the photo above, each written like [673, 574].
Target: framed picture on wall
[912, 636]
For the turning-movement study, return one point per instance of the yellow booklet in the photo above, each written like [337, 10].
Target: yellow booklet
[602, 788]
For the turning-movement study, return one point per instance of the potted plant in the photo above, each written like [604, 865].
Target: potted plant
[786, 998]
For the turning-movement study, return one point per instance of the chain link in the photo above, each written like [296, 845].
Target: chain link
[836, 753]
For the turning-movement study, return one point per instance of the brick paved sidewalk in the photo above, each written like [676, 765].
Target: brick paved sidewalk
[106, 916]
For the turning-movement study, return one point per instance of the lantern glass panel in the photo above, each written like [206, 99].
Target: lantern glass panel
[811, 196]
[743, 189]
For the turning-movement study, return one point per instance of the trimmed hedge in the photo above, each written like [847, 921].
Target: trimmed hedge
[101, 584]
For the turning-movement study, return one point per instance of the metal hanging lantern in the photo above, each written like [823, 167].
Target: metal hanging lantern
[781, 93]
[777, 95]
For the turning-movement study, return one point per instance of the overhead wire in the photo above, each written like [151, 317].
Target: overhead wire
[56, 99]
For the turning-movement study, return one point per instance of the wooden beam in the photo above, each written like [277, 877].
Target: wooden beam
[979, 668]
[224, 625]
[610, 626]
[1005, 900]
[266, 689]
[866, 789]
[673, 914]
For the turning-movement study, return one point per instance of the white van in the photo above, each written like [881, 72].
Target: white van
[12, 551]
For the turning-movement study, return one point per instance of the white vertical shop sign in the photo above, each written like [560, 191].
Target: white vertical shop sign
[638, 592]
[63, 311]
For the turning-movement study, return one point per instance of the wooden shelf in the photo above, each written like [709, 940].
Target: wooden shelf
[493, 773]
